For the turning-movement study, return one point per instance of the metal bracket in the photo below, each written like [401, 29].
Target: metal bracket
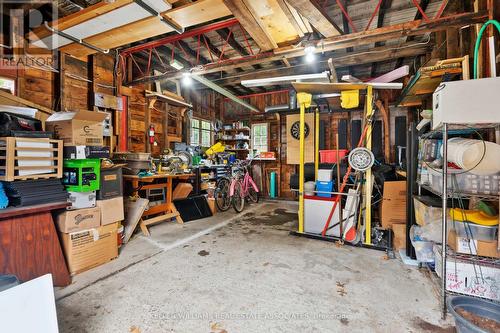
[74, 39]
[168, 21]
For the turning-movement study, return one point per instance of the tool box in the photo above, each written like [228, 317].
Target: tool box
[81, 175]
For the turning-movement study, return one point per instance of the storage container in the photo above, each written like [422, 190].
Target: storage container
[465, 182]
[427, 210]
[478, 307]
[474, 231]
[330, 156]
[324, 175]
[309, 188]
[324, 187]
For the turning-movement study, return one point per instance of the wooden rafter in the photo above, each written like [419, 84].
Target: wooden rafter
[384, 7]
[224, 33]
[241, 11]
[316, 16]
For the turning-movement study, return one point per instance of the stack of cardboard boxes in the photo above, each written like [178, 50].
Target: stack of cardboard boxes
[88, 228]
[393, 212]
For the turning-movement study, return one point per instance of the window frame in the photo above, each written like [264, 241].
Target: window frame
[253, 136]
[200, 130]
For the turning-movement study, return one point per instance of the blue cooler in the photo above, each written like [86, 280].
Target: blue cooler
[324, 187]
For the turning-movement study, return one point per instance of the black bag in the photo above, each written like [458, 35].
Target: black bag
[10, 122]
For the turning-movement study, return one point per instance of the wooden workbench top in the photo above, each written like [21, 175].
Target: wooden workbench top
[25, 210]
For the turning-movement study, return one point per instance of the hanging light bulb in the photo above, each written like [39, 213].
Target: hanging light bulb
[186, 79]
[309, 51]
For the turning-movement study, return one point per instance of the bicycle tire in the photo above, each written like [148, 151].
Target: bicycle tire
[252, 194]
[237, 200]
[221, 194]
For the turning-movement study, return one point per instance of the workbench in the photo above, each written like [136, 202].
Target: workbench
[29, 245]
[164, 211]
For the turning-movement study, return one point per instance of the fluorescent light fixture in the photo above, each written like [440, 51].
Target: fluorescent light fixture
[186, 80]
[271, 81]
[176, 64]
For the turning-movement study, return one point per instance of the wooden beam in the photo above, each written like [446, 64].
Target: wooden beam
[292, 18]
[241, 11]
[193, 53]
[384, 7]
[187, 15]
[316, 16]
[352, 59]
[224, 33]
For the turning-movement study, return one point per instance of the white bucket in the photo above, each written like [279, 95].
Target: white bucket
[470, 155]
[309, 188]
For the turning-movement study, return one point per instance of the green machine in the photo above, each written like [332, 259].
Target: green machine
[81, 175]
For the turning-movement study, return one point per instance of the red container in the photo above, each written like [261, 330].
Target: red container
[330, 156]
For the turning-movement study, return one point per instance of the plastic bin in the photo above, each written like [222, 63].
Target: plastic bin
[479, 307]
[427, 210]
[423, 248]
[474, 231]
[324, 187]
[330, 156]
[465, 182]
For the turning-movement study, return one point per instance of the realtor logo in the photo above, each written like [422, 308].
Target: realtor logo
[23, 38]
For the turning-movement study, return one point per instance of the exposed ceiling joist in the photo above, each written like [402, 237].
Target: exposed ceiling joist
[240, 10]
[316, 16]
[225, 34]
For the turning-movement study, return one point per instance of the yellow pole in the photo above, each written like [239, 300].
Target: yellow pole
[316, 144]
[369, 179]
[304, 100]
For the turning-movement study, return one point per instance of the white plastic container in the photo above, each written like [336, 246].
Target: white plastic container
[480, 157]
[309, 188]
[466, 182]
[325, 175]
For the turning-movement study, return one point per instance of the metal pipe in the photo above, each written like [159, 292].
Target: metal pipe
[262, 94]
[162, 18]
[444, 220]
[74, 39]
[281, 107]
[186, 34]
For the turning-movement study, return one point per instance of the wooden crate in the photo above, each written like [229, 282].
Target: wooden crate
[9, 159]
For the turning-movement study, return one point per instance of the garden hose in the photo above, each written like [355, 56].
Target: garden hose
[478, 41]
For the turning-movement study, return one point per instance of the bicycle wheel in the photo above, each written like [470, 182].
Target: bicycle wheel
[252, 194]
[237, 198]
[222, 199]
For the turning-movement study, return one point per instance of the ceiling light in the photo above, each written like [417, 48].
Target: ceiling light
[310, 57]
[176, 64]
[186, 79]
[309, 49]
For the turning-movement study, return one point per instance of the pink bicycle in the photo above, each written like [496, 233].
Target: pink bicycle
[240, 189]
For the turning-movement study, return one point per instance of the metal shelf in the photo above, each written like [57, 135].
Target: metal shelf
[472, 258]
[460, 195]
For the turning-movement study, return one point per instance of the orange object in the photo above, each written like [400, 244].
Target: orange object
[267, 154]
[330, 156]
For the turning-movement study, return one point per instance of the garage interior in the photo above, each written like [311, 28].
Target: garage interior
[250, 166]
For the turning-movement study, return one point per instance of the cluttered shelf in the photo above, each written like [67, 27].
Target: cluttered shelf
[459, 195]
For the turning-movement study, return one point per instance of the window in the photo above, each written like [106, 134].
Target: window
[259, 137]
[201, 133]
[8, 84]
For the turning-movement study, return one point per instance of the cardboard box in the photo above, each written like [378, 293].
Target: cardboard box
[464, 277]
[111, 210]
[90, 248]
[78, 220]
[182, 191]
[77, 128]
[399, 239]
[473, 246]
[393, 208]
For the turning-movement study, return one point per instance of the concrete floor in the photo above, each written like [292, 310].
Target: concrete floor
[245, 273]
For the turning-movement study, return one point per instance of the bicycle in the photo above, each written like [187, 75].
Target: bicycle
[221, 194]
[240, 189]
